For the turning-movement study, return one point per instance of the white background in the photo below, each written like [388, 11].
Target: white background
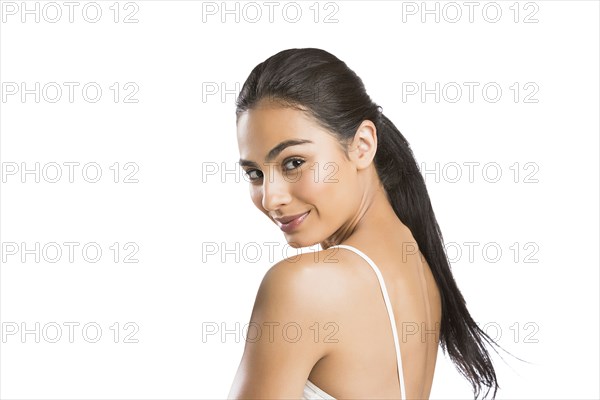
[545, 312]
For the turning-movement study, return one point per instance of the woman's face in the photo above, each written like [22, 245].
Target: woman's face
[295, 167]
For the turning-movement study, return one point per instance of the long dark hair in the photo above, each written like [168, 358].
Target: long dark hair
[317, 81]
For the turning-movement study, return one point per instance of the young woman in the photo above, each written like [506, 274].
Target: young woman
[364, 317]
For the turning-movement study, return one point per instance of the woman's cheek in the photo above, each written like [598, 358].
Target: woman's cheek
[311, 186]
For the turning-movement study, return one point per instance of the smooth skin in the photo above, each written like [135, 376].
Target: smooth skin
[322, 315]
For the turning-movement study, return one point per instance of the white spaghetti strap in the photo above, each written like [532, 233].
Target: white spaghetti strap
[388, 305]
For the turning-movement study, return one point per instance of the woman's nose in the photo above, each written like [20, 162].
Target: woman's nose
[275, 192]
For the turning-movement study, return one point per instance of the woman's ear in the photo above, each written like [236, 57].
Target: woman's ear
[364, 145]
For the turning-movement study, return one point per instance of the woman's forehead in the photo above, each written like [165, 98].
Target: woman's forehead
[262, 130]
[267, 124]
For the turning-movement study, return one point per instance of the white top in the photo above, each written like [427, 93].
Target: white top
[312, 391]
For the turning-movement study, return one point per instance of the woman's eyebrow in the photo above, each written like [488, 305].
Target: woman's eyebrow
[274, 152]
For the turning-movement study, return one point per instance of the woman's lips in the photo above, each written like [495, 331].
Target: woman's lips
[292, 224]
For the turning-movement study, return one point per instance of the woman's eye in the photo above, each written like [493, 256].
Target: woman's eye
[293, 163]
[253, 174]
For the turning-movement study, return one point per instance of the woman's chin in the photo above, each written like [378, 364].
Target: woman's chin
[296, 242]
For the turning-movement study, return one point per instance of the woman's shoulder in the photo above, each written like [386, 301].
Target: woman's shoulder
[317, 280]
[313, 267]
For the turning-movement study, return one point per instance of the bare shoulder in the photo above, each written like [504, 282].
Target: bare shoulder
[292, 326]
[305, 311]
[310, 284]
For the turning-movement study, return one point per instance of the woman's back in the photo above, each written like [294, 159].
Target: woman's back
[362, 364]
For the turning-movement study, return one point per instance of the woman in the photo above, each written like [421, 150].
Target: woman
[362, 318]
